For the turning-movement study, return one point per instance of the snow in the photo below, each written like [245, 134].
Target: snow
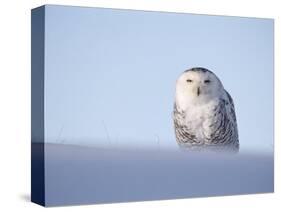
[91, 175]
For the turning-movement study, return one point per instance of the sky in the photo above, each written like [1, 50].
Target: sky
[110, 74]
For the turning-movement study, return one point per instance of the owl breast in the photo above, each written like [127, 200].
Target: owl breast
[201, 121]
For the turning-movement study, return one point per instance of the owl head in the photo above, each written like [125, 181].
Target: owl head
[197, 85]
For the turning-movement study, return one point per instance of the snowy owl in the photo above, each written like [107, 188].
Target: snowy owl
[204, 115]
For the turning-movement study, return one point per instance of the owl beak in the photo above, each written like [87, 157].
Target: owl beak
[198, 91]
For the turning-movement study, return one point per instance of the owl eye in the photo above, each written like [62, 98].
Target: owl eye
[207, 81]
[189, 80]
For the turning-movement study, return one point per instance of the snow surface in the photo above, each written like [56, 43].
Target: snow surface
[86, 175]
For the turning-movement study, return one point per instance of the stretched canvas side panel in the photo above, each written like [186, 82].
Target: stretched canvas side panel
[37, 106]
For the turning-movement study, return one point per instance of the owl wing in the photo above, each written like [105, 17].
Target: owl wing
[231, 107]
[183, 134]
[232, 134]
[224, 127]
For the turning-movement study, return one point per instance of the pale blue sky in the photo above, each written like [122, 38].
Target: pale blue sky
[110, 74]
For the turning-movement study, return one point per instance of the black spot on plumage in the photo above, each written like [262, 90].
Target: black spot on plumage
[199, 69]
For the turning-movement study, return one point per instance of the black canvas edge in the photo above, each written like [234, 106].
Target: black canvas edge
[37, 105]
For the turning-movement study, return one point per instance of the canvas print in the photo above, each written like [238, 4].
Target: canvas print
[139, 105]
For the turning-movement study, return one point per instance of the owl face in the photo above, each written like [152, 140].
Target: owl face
[198, 86]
